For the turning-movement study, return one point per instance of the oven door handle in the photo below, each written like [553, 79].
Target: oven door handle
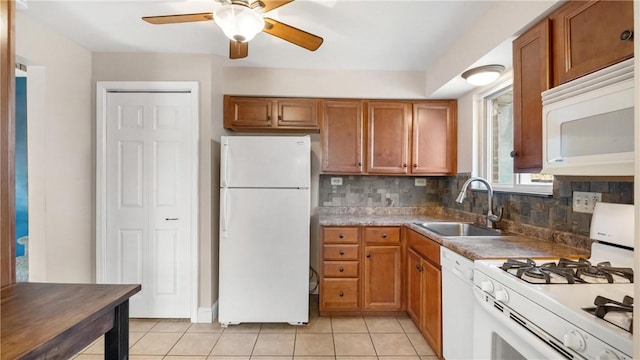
[542, 348]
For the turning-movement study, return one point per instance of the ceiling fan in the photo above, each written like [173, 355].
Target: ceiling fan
[241, 20]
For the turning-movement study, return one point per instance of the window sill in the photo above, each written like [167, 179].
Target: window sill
[534, 190]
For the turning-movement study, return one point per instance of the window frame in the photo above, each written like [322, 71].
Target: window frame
[483, 155]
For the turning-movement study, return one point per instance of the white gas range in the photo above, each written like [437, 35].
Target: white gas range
[557, 309]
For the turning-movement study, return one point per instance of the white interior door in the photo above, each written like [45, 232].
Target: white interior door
[147, 194]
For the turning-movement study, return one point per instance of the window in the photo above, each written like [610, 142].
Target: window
[496, 144]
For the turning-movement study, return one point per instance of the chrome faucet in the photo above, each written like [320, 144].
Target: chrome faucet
[492, 218]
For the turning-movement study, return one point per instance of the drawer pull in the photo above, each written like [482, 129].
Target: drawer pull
[341, 236]
[626, 35]
[341, 252]
[368, 255]
[384, 235]
[341, 269]
[419, 268]
[341, 294]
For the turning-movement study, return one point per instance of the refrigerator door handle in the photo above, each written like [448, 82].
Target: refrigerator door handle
[224, 211]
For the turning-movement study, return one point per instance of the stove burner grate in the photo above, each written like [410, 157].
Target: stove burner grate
[604, 306]
[571, 271]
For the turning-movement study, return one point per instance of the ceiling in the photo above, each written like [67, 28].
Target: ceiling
[364, 35]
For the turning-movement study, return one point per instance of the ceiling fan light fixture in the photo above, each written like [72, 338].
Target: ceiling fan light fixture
[483, 75]
[239, 23]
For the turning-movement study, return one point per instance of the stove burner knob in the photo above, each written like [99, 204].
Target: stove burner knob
[487, 286]
[607, 355]
[573, 340]
[502, 295]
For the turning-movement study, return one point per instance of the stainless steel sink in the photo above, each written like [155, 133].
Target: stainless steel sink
[459, 229]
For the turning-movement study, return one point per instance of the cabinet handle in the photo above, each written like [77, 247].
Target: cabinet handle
[384, 236]
[359, 163]
[269, 117]
[341, 236]
[626, 35]
[341, 269]
[341, 294]
[420, 268]
[341, 252]
[513, 154]
[369, 255]
[415, 165]
[404, 165]
[279, 117]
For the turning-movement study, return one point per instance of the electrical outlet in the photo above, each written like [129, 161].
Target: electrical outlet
[336, 181]
[585, 202]
[420, 182]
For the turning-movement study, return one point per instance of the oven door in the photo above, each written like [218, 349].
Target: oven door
[498, 337]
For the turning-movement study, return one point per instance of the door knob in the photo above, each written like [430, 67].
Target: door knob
[513, 154]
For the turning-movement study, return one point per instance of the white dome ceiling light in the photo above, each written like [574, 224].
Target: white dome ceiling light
[483, 75]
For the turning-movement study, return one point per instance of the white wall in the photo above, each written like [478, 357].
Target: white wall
[503, 20]
[61, 152]
[324, 83]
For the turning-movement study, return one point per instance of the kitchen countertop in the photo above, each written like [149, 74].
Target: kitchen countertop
[475, 248]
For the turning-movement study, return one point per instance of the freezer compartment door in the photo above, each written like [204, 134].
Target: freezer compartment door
[265, 161]
[264, 256]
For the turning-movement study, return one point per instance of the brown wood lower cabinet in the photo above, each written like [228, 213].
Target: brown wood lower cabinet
[361, 270]
[424, 301]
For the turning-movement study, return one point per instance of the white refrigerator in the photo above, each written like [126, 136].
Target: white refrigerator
[264, 229]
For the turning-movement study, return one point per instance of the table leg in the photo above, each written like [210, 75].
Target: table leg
[116, 340]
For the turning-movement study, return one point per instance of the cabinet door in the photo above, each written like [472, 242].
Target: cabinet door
[342, 132]
[297, 113]
[241, 112]
[434, 146]
[587, 37]
[531, 76]
[388, 126]
[432, 306]
[382, 278]
[414, 287]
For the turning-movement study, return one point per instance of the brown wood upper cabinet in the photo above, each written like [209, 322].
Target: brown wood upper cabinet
[589, 36]
[260, 113]
[412, 137]
[389, 125]
[434, 141]
[342, 136]
[531, 76]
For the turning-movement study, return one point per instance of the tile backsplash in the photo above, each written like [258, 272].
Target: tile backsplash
[379, 191]
[550, 212]
[554, 213]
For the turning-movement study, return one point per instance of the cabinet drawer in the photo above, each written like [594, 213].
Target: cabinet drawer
[424, 246]
[387, 235]
[340, 235]
[340, 269]
[340, 252]
[339, 294]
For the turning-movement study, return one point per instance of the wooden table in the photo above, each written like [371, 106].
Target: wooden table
[56, 321]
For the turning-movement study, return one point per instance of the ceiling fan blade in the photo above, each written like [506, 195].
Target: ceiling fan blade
[273, 4]
[238, 50]
[174, 19]
[293, 35]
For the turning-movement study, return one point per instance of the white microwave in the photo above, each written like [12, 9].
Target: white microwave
[588, 124]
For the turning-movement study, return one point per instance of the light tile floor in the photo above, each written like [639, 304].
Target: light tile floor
[324, 338]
